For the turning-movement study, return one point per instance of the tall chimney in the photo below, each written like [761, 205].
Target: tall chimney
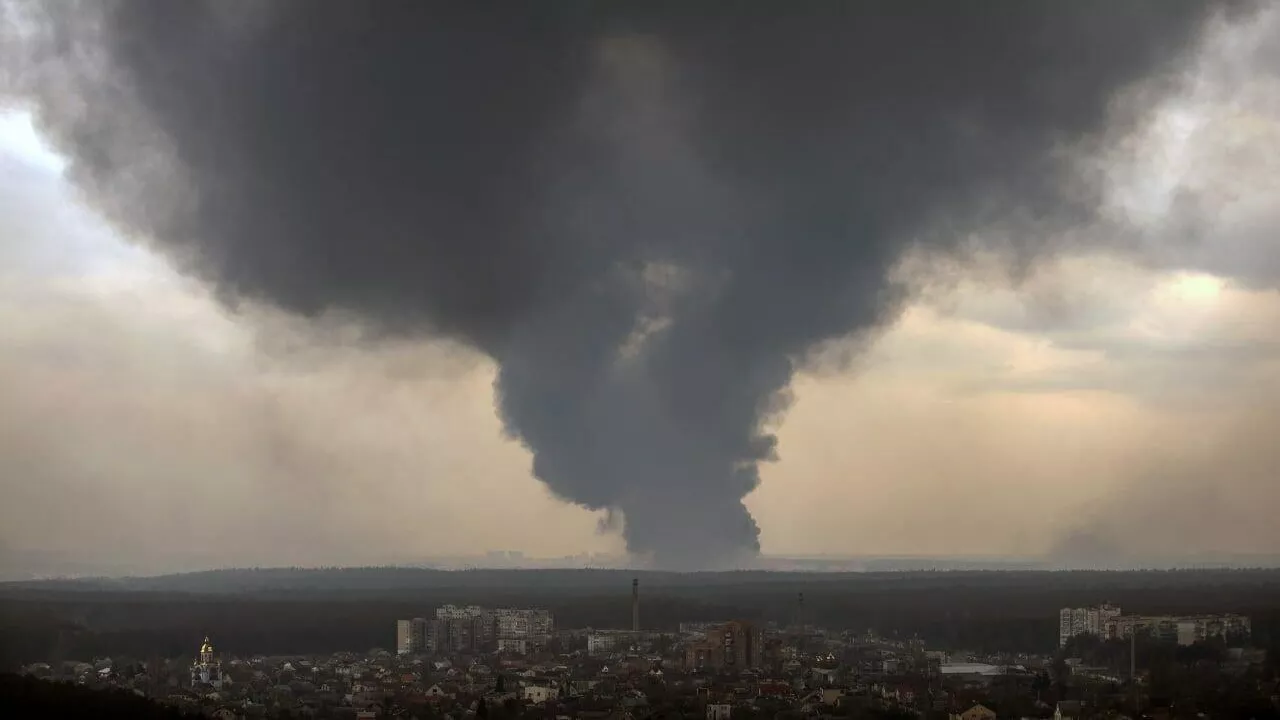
[800, 610]
[635, 605]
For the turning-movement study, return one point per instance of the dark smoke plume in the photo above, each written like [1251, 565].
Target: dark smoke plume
[645, 212]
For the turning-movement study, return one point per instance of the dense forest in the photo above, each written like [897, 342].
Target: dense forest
[27, 697]
[313, 611]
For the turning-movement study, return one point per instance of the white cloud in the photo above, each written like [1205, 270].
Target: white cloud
[20, 141]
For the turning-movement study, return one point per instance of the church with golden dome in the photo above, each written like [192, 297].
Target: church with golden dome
[207, 669]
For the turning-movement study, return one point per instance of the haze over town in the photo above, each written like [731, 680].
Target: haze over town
[1104, 394]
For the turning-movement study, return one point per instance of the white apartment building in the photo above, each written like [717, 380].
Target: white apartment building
[1107, 623]
[532, 624]
[404, 637]
[1073, 622]
[514, 630]
[411, 636]
[459, 612]
[601, 643]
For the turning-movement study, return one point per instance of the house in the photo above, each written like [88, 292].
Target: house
[977, 712]
[579, 687]
[1067, 710]
[825, 675]
[773, 688]
[437, 691]
[719, 711]
[538, 693]
[904, 694]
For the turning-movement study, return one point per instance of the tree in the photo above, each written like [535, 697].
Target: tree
[1041, 683]
[1060, 672]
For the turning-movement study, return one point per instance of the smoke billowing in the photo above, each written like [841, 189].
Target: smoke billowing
[645, 213]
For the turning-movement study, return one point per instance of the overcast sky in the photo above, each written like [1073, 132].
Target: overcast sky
[1103, 403]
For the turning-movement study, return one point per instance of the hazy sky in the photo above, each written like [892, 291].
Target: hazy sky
[1102, 402]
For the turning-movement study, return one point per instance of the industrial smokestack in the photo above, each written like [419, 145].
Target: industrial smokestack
[800, 610]
[635, 605]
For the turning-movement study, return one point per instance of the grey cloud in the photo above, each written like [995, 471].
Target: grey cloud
[1192, 187]
[1222, 212]
[507, 180]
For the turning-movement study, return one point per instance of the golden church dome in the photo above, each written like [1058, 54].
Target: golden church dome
[206, 647]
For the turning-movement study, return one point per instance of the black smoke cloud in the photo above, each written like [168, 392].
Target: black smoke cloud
[645, 212]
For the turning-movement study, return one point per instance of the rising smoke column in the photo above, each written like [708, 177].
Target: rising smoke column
[645, 212]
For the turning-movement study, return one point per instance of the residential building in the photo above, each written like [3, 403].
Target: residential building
[1108, 623]
[1073, 622]
[404, 637]
[977, 712]
[517, 646]
[456, 634]
[735, 644]
[719, 711]
[601, 643]
[539, 693]
[471, 627]
[1185, 630]
[532, 625]
[419, 629]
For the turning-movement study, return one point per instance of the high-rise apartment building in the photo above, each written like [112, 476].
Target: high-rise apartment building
[1073, 622]
[533, 624]
[411, 636]
[472, 628]
[734, 645]
[460, 628]
[419, 629]
[404, 637]
[456, 634]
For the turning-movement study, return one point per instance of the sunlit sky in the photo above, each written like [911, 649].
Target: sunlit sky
[1127, 399]
[22, 142]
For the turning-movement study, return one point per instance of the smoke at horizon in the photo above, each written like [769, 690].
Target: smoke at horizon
[647, 216]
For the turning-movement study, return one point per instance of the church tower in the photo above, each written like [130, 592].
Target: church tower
[206, 670]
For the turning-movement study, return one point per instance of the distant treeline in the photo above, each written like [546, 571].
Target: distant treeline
[283, 611]
[285, 580]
